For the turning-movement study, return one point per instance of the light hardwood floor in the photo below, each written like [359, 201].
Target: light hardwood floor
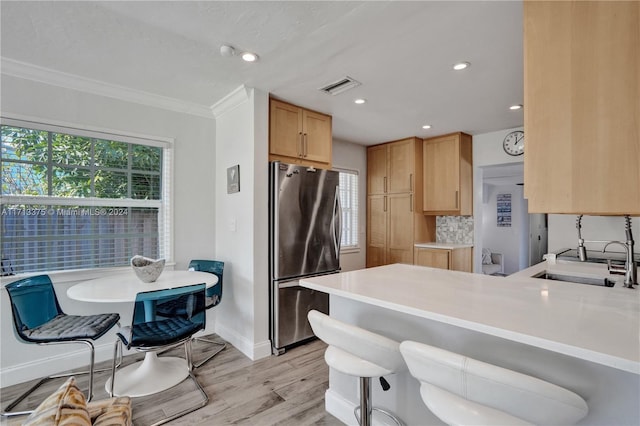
[284, 390]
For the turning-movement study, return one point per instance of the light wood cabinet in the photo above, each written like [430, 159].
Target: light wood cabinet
[448, 175]
[298, 135]
[458, 259]
[391, 167]
[394, 217]
[582, 107]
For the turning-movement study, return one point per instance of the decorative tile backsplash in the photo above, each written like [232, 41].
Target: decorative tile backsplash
[454, 229]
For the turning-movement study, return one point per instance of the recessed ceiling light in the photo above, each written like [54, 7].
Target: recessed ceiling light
[249, 57]
[426, 126]
[515, 107]
[360, 101]
[461, 66]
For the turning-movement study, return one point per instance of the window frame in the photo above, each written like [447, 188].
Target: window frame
[164, 204]
[352, 248]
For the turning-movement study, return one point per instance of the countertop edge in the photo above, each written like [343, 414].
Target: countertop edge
[587, 354]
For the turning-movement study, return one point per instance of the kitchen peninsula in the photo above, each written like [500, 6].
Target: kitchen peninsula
[582, 337]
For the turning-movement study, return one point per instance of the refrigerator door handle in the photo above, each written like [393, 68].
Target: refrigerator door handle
[337, 217]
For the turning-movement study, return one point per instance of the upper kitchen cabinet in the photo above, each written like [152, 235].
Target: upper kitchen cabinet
[448, 175]
[299, 136]
[391, 167]
[582, 107]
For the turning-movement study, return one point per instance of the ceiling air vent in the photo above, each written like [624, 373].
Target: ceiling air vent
[340, 86]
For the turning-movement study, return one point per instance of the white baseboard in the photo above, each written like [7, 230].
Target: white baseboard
[341, 408]
[53, 364]
[252, 350]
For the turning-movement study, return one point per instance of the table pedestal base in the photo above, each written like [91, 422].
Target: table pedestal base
[149, 376]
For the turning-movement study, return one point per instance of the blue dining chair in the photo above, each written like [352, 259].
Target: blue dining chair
[152, 331]
[38, 318]
[213, 298]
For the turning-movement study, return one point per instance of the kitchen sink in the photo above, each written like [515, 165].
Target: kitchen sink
[606, 282]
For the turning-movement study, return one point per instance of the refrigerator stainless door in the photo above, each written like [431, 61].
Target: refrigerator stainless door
[290, 308]
[305, 220]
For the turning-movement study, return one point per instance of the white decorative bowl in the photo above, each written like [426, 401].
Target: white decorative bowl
[148, 270]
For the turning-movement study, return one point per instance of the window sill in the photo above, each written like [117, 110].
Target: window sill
[350, 250]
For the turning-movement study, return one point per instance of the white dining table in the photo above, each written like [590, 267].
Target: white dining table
[153, 374]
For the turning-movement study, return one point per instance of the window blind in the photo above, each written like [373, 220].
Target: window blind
[348, 184]
[80, 199]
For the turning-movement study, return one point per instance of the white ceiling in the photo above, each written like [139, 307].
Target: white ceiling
[401, 52]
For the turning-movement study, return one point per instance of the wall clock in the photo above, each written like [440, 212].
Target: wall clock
[513, 143]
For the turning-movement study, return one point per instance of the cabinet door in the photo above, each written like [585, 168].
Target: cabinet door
[316, 133]
[376, 230]
[441, 164]
[582, 108]
[435, 258]
[400, 225]
[377, 169]
[285, 130]
[401, 165]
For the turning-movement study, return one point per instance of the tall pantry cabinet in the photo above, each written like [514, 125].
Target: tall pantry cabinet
[394, 202]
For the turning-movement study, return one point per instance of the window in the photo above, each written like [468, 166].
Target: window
[76, 199]
[349, 203]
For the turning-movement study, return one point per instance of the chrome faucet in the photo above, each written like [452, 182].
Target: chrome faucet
[628, 265]
[631, 255]
[582, 250]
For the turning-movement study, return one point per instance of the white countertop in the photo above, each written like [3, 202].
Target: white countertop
[593, 323]
[450, 246]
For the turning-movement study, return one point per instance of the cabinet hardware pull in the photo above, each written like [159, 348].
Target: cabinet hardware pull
[410, 202]
[385, 203]
[300, 148]
[457, 200]
[306, 145]
[385, 184]
[411, 182]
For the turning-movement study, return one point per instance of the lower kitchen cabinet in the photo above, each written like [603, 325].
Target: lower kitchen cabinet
[455, 259]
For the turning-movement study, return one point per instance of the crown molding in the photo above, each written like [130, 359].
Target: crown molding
[231, 101]
[74, 82]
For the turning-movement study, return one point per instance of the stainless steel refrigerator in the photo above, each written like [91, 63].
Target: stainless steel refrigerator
[304, 239]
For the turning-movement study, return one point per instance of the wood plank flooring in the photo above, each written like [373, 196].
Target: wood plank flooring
[284, 390]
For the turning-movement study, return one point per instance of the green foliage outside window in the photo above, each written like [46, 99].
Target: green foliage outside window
[36, 162]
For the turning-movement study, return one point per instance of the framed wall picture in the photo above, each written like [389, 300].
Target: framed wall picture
[503, 206]
[233, 179]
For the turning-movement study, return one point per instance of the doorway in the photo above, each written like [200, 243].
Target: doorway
[503, 223]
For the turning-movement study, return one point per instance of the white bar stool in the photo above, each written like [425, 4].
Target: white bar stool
[464, 391]
[360, 353]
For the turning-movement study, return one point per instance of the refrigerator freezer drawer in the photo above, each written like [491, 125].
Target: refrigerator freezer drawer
[290, 324]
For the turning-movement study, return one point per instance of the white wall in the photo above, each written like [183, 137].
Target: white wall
[242, 317]
[352, 156]
[194, 203]
[510, 241]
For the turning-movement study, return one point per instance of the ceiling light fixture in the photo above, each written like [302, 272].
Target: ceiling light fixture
[461, 66]
[360, 101]
[249, 57]
[426, 126]
[515, 107]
